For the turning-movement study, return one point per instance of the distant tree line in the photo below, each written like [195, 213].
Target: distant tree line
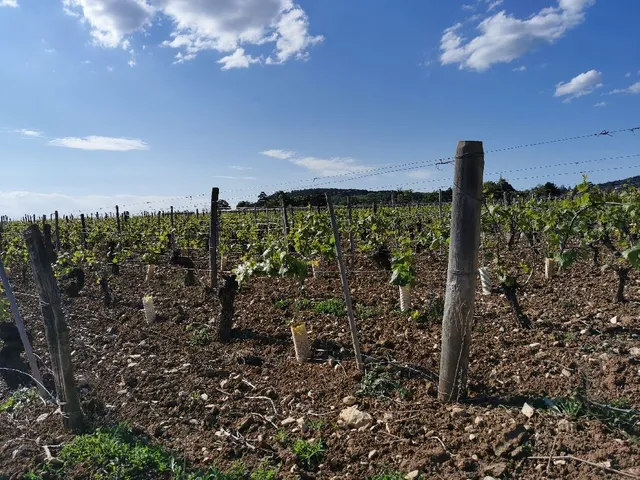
[316, 197]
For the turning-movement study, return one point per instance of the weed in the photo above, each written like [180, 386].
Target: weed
[282, 437]
[265, 472]
[391, 475]
[570, 406]
[309, 453]
[199, 337]
[316, 425]
[380, 384]
[333, 306]
[303, 304]
[19, 399]
[282, 304]
[569, 337]
[364, 311]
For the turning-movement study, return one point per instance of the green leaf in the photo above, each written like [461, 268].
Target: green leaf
[633, 256]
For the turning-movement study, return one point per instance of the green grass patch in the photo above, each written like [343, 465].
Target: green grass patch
[282, 304]
[333, 306]
[19, 399]
[379, 384]
[365, 311]
[199, 336]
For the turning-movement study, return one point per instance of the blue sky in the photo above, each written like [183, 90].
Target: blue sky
[128, 101]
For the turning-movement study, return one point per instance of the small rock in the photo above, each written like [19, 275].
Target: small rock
[372, 454]
[635, 351]
[42, 418]
[244, 424]
[566, 372]
[412, 475]
[534, 346]
[349, 401]
[497, 469]
[613, 320]
[288, 421]
[458, 412]
[479, 421]
[472, 436]
[528, 410]
[354, 418]
[565, 425]
[204, 397]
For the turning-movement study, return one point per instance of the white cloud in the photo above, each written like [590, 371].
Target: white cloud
[504, 38]
[9, 3]
[628, 75]
[226, 26]
[109, 69]
[578, 86]
[633, 89]
[240, 168]
[237, 59]
[494, 4]
[230, 177]
[86, 62]
[419, 174]
[522, 68]
[94, 142]
[49, 50]
[323, 167]
[18, 203]
[468, 7]
[279, 154]
[601, 104]
[29, 133]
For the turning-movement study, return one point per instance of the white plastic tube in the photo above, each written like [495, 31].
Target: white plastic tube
[301, 342]
[151, 273]
[485, 280]
[149, 308]
[223, 263]
[314, 270]
[405, 298]
[550, 268]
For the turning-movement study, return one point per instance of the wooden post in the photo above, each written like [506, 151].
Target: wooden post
[213, 239]
[118, 219]
[83, 237]
[33, 363]
[57, 225]
[291, 216]
[440, 202]
[56, 331]
[172, 237]
[345, 286]
[463, 267]
[48, 246]
[285, 219]
[44, 221]
[505, 198]
[351, 246]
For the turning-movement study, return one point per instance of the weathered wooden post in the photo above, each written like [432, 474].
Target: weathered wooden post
[33, 363]
[172, 236]
[285, 219]
[213, 239]
[56, 330]
[57, 225]
[345, 286]
[350, 218]
[83, 235]
[440, 202]
[461, 274]
[118, 219]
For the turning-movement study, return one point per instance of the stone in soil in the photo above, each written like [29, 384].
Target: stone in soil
[354, 418]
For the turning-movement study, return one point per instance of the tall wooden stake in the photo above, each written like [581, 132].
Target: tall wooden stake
[57, 231]
[463, 266]
[83, 236]
[172, 236]
[56, 331]
[440, 202]
[213, 239]
[285, 219]
[351, 246]
[33, 363]
[345, 286]
[118, 219]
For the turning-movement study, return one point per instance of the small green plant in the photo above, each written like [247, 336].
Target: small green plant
[309, 453]
[282, 304]
[265, 472]
[365, 311]
[402, 268]
[316, 425]
[570, 406]
[333, 306]
[199, 336]
[376, 383]
[19, 399]
[391, 475]
[303, 304]
[282, 437]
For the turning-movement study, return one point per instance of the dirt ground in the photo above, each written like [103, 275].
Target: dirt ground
[214, 402]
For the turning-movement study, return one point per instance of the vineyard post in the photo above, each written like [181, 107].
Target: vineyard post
[440, 202]
[349, 217]
[285, 220]
[44, 221]
[57, 231]
[118, 219]
[505, 198]
[33, 363]
[345, 285]
[462, 269]
[56, 330]
[213, 239]
[172, 237]
[291, 216]
[393, 199]
[255, 214]
[83, 236]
